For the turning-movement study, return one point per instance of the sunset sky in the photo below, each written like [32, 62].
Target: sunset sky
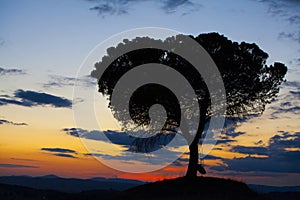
[43, 44]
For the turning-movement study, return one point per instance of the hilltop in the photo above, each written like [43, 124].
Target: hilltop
[198, 188]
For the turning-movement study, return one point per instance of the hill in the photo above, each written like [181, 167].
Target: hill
[199, 188]
[14, 192]
[73, 185]
[109, 189]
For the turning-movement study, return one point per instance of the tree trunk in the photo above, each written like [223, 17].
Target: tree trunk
[194, 154]
[193, 160]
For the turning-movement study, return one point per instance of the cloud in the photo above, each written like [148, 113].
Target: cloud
[71, 131]
[259, 142]
[283, 8]
[61, 152]
[57, 81]
[11, 71]
[295, 19]
[225, 140]
[8, 165]
[171, 6]
[2, 42]
[296, 93]
[58, 150]
[122, 138]
[65, 155]
[119, 7]
[289, 11]
[287, 107]
[4, 121]
[92, 154]
[250, 150]
[30, 98]
[103, 9]
[295, 36]
[235, 134]
[294, 84]
[24, 159]
[281, 155]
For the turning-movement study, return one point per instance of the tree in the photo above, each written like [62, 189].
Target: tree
[249, 84]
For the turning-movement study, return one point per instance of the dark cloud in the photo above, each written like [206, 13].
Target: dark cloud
[289, 11]
[119, 7]
[287, 107]
[4, 121]
[42, 98]
[152, 143]
[296, 93]
[260, 142]
[250, 150]
[171, 6]
[110, 9]
[225, 140]
[295, 36]
[57, 81]
[8, 165]
[279, 157]
[122, 138]
[294, 84]
[211, 157]
[284, 8]
[11, 71]
[92, 154]
[61, 152]
[65, 155]
[295, 19]
[235, 134]
[5, 101]
[31, 98]
[58, 150]
[71, 131]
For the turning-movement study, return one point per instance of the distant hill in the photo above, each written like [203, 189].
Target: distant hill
[52, 182]
[268, 189]
[179, 188]
[14, 192]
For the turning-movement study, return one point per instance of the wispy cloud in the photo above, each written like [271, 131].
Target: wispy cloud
[30, 98]
[4, 121]
[65, 155]
[288, 102]
[4, 71]
[58, 81]
[289, 11]
[61, 152]
[8, 165]
[24, 159]
[292, 36]
[119, 7]
[2, 42]
[58, 150]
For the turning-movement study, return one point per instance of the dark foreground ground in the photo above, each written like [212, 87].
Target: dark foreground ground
[180, 188]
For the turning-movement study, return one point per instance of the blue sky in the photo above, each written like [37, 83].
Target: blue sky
[57, 35]
[44, 43]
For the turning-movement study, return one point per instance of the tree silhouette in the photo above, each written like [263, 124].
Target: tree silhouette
[249, 85]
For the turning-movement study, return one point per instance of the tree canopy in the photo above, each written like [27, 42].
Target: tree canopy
[250, 84]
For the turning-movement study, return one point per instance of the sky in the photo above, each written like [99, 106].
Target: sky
[43, 44]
